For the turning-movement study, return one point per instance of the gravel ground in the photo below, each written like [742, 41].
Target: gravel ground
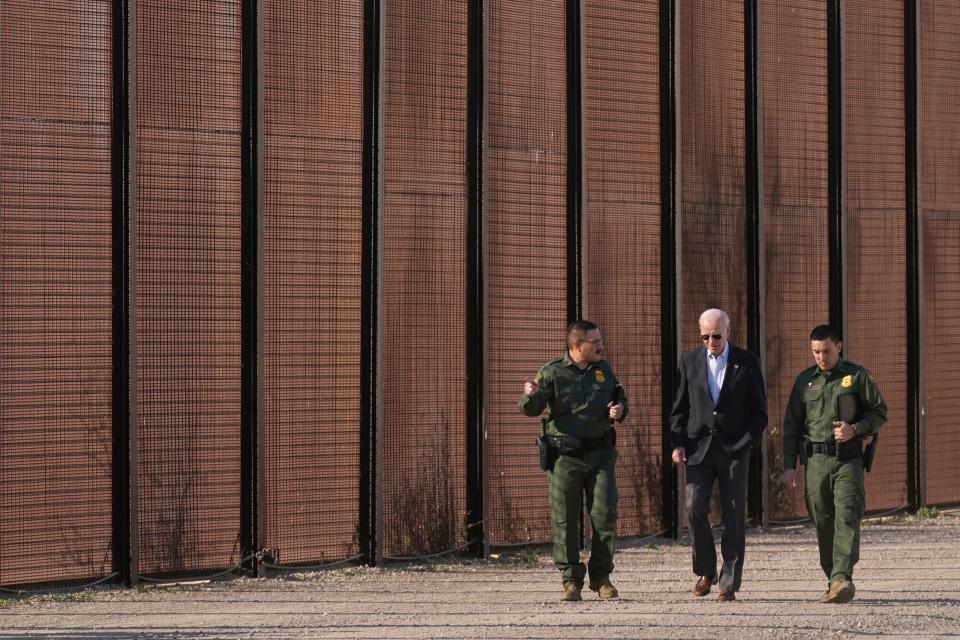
[908, 586]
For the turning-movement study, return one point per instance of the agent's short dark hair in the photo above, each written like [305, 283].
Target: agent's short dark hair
[578, 330]
[823, 332]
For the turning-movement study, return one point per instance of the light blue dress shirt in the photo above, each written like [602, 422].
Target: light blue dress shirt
[716, 369]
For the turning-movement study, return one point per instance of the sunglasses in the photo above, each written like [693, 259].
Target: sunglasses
[707, 336]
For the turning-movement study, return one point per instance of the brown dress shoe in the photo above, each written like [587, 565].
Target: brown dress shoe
[703, 585]
[726, 596]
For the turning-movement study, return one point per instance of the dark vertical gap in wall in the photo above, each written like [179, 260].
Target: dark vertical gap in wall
[475, 280]
[911, 75]
[574, 172]
[124, 527]
[668, 231]
[835, 164]
[574, 161]
[369, 323]
[250, 293]
[756, 496]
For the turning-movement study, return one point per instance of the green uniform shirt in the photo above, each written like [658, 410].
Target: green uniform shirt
[577, 398]
[812, 409]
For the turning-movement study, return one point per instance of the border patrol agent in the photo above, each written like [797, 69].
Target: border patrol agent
[584, 398]
[819, 431]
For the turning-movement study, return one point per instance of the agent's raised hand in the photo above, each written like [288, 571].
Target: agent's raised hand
[530, 387]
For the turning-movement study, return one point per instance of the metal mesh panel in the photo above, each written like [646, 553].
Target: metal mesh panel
[313, 93]
[424, 273]
[525, 169]
[940, 220]
[712, 245]
[875, 214]
[794, 85]
[188, 283]
[55, 291]
[622, 234]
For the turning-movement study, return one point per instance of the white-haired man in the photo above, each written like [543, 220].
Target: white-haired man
[719, 413]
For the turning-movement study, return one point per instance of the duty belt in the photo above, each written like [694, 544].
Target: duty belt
[571, 446]
[847, 451]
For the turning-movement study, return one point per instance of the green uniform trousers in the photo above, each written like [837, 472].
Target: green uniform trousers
[591, 475]
[836, 499]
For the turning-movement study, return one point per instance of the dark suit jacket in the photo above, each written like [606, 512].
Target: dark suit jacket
[739, 416]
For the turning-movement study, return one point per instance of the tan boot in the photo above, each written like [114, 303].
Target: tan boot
[841, 591]
[605, 590]
[571, 592]
[825, 596]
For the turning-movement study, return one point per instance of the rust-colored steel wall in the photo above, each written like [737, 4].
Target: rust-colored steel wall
[55, 291]
[940, 228]
[56, 301]
[711, 249]
[312, 157]
[794, 166]
[622, 234]
[188, 283]
[525, 165]
[876, 299]
[423, 455]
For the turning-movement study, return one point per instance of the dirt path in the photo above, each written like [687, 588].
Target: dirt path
[908, 586]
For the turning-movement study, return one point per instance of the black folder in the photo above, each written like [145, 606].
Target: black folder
[848, 410]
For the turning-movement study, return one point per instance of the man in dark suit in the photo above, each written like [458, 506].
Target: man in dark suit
[719, 414]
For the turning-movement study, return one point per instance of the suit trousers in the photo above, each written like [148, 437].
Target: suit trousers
[731, 475]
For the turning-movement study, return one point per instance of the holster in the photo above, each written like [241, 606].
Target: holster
[548, 453]
[869, 452]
